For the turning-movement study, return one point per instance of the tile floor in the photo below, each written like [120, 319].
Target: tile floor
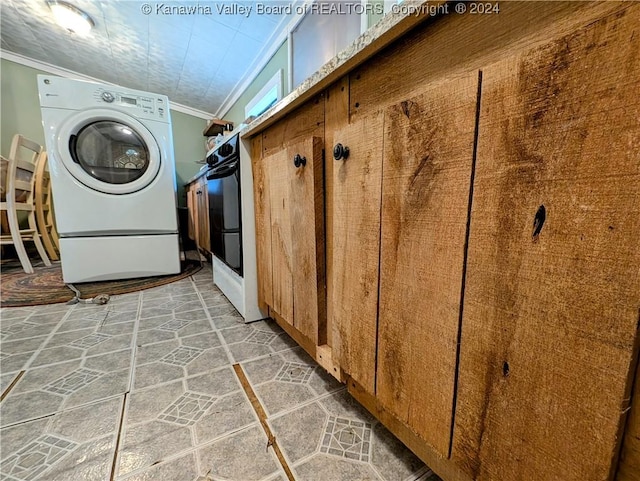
[143, 389]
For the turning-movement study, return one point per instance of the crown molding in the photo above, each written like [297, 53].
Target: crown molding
[63, 72]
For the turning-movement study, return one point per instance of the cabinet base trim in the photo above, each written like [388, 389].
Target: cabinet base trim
[321, 354]
[303, 341]
[443, 467]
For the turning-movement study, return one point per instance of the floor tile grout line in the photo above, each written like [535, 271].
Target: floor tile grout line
[305, 403]
[44, 416]
[316, 451]
[134, 343]
[125, 402]
[81, 358]
[223, 343]
[37, 352]
[62, 410]
[185, 378]
[116, 449]
[191, 450]
[263, 356]
[255, 403]
[6, 392]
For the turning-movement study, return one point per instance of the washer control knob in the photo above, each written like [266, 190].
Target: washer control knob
[108, 97]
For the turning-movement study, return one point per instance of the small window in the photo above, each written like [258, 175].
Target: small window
[268, 96]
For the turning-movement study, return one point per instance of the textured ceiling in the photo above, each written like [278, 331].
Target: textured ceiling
[197, 60]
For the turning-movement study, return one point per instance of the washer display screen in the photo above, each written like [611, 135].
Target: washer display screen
[110, 151]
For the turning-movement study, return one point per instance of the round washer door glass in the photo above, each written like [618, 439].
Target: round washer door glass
[110, 152]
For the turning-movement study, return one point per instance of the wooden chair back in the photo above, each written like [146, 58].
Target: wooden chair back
[19, 197]
[44, 210]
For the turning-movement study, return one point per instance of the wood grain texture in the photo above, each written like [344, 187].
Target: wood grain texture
[307, 239]
[357, 190]
[428, 154]
[279, 172]
[190, 192]
[262, 209]
[305, 122]
[324, 357]
[461, 43]
[336, 115]
[202, 209]
[629, 466]
[549, 331]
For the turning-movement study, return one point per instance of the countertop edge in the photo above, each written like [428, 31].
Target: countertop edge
[391, 27]
[200, 173]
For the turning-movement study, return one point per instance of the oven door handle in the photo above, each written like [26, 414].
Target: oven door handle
[223, 171]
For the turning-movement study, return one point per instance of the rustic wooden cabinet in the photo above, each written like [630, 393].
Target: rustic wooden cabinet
[427, 173]
[288, 177]
[482, 254]
[296, 210]
[198, 207]
[355, 218]
[400, 211]
[552, 295]
[290, 226]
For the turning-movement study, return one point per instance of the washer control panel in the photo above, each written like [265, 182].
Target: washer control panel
[71, 94]
[154, 106]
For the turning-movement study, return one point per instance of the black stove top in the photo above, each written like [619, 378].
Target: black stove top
[226, 152]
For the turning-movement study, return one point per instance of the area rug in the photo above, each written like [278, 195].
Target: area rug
[45, 285]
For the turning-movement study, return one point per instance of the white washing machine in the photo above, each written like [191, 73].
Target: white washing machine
[113, 179]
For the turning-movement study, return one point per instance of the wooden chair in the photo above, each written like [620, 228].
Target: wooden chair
[44, 212]
[20, 182]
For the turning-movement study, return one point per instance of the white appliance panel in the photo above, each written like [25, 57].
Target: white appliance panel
[89, 259]
[63, 93]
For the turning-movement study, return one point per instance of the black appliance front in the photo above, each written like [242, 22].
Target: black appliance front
[223, 183]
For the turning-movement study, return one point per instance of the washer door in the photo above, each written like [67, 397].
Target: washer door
[108, 151]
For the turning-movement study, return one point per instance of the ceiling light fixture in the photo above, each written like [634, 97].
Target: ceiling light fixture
[71, 17]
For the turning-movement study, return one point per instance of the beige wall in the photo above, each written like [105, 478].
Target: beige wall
[20, 114]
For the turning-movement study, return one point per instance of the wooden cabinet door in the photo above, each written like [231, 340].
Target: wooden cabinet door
[357, 184]
[203, 214]
[262, 208]
[279, 171]
[426, 181]
[308, 242]
[191, 209]
[552, 300]
[297, 237]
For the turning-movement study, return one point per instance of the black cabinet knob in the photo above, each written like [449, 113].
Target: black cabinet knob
[340, 152]
[299, 161]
